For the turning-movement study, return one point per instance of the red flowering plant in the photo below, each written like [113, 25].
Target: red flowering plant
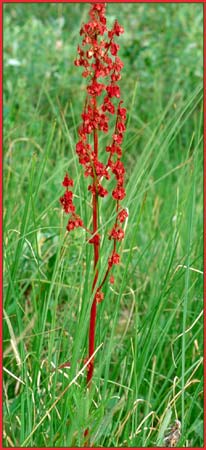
[98, 56]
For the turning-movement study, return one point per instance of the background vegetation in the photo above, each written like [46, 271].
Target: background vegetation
[149, 363]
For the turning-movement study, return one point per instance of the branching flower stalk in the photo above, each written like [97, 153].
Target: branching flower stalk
[97, 55]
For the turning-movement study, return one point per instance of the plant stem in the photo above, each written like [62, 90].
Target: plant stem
[96, 258]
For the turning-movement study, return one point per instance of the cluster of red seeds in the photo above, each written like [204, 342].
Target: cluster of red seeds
[67, 203]
[98, 57]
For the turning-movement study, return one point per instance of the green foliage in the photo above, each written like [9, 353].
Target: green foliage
[148, 368]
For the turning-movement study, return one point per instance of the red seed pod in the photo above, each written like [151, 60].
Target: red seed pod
[123, 214]
[67, 181]
[114, 259]
[99, 296]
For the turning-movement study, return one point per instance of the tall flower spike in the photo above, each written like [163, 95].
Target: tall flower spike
[98, 56]
[101, 65]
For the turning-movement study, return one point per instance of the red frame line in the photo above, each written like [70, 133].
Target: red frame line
[1, 207]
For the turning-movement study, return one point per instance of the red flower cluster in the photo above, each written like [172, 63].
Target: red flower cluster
[98, 56]
[114, 259]
[67, 203]
[117, 232]
[99, 59]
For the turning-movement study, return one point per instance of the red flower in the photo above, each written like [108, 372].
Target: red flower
[118, 29]
[121, 127]
[99, 296]
[111, 279]
[67, 203]
[118, 64]
[113, 90]
[118, 193]
[122, 112]
[67, 181]
[118, 138]
[95, 88]
[116, 76]
[114, 259]
[118, 169]
[122, 215]
[114, 48]
[75, 222]
[70, 225]
[117, 233]
[101, 191]
[108, 106]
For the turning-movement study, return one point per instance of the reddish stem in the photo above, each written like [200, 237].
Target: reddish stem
[114, 250]
[96, 258]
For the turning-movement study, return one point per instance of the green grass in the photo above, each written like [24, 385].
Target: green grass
[148, 368]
